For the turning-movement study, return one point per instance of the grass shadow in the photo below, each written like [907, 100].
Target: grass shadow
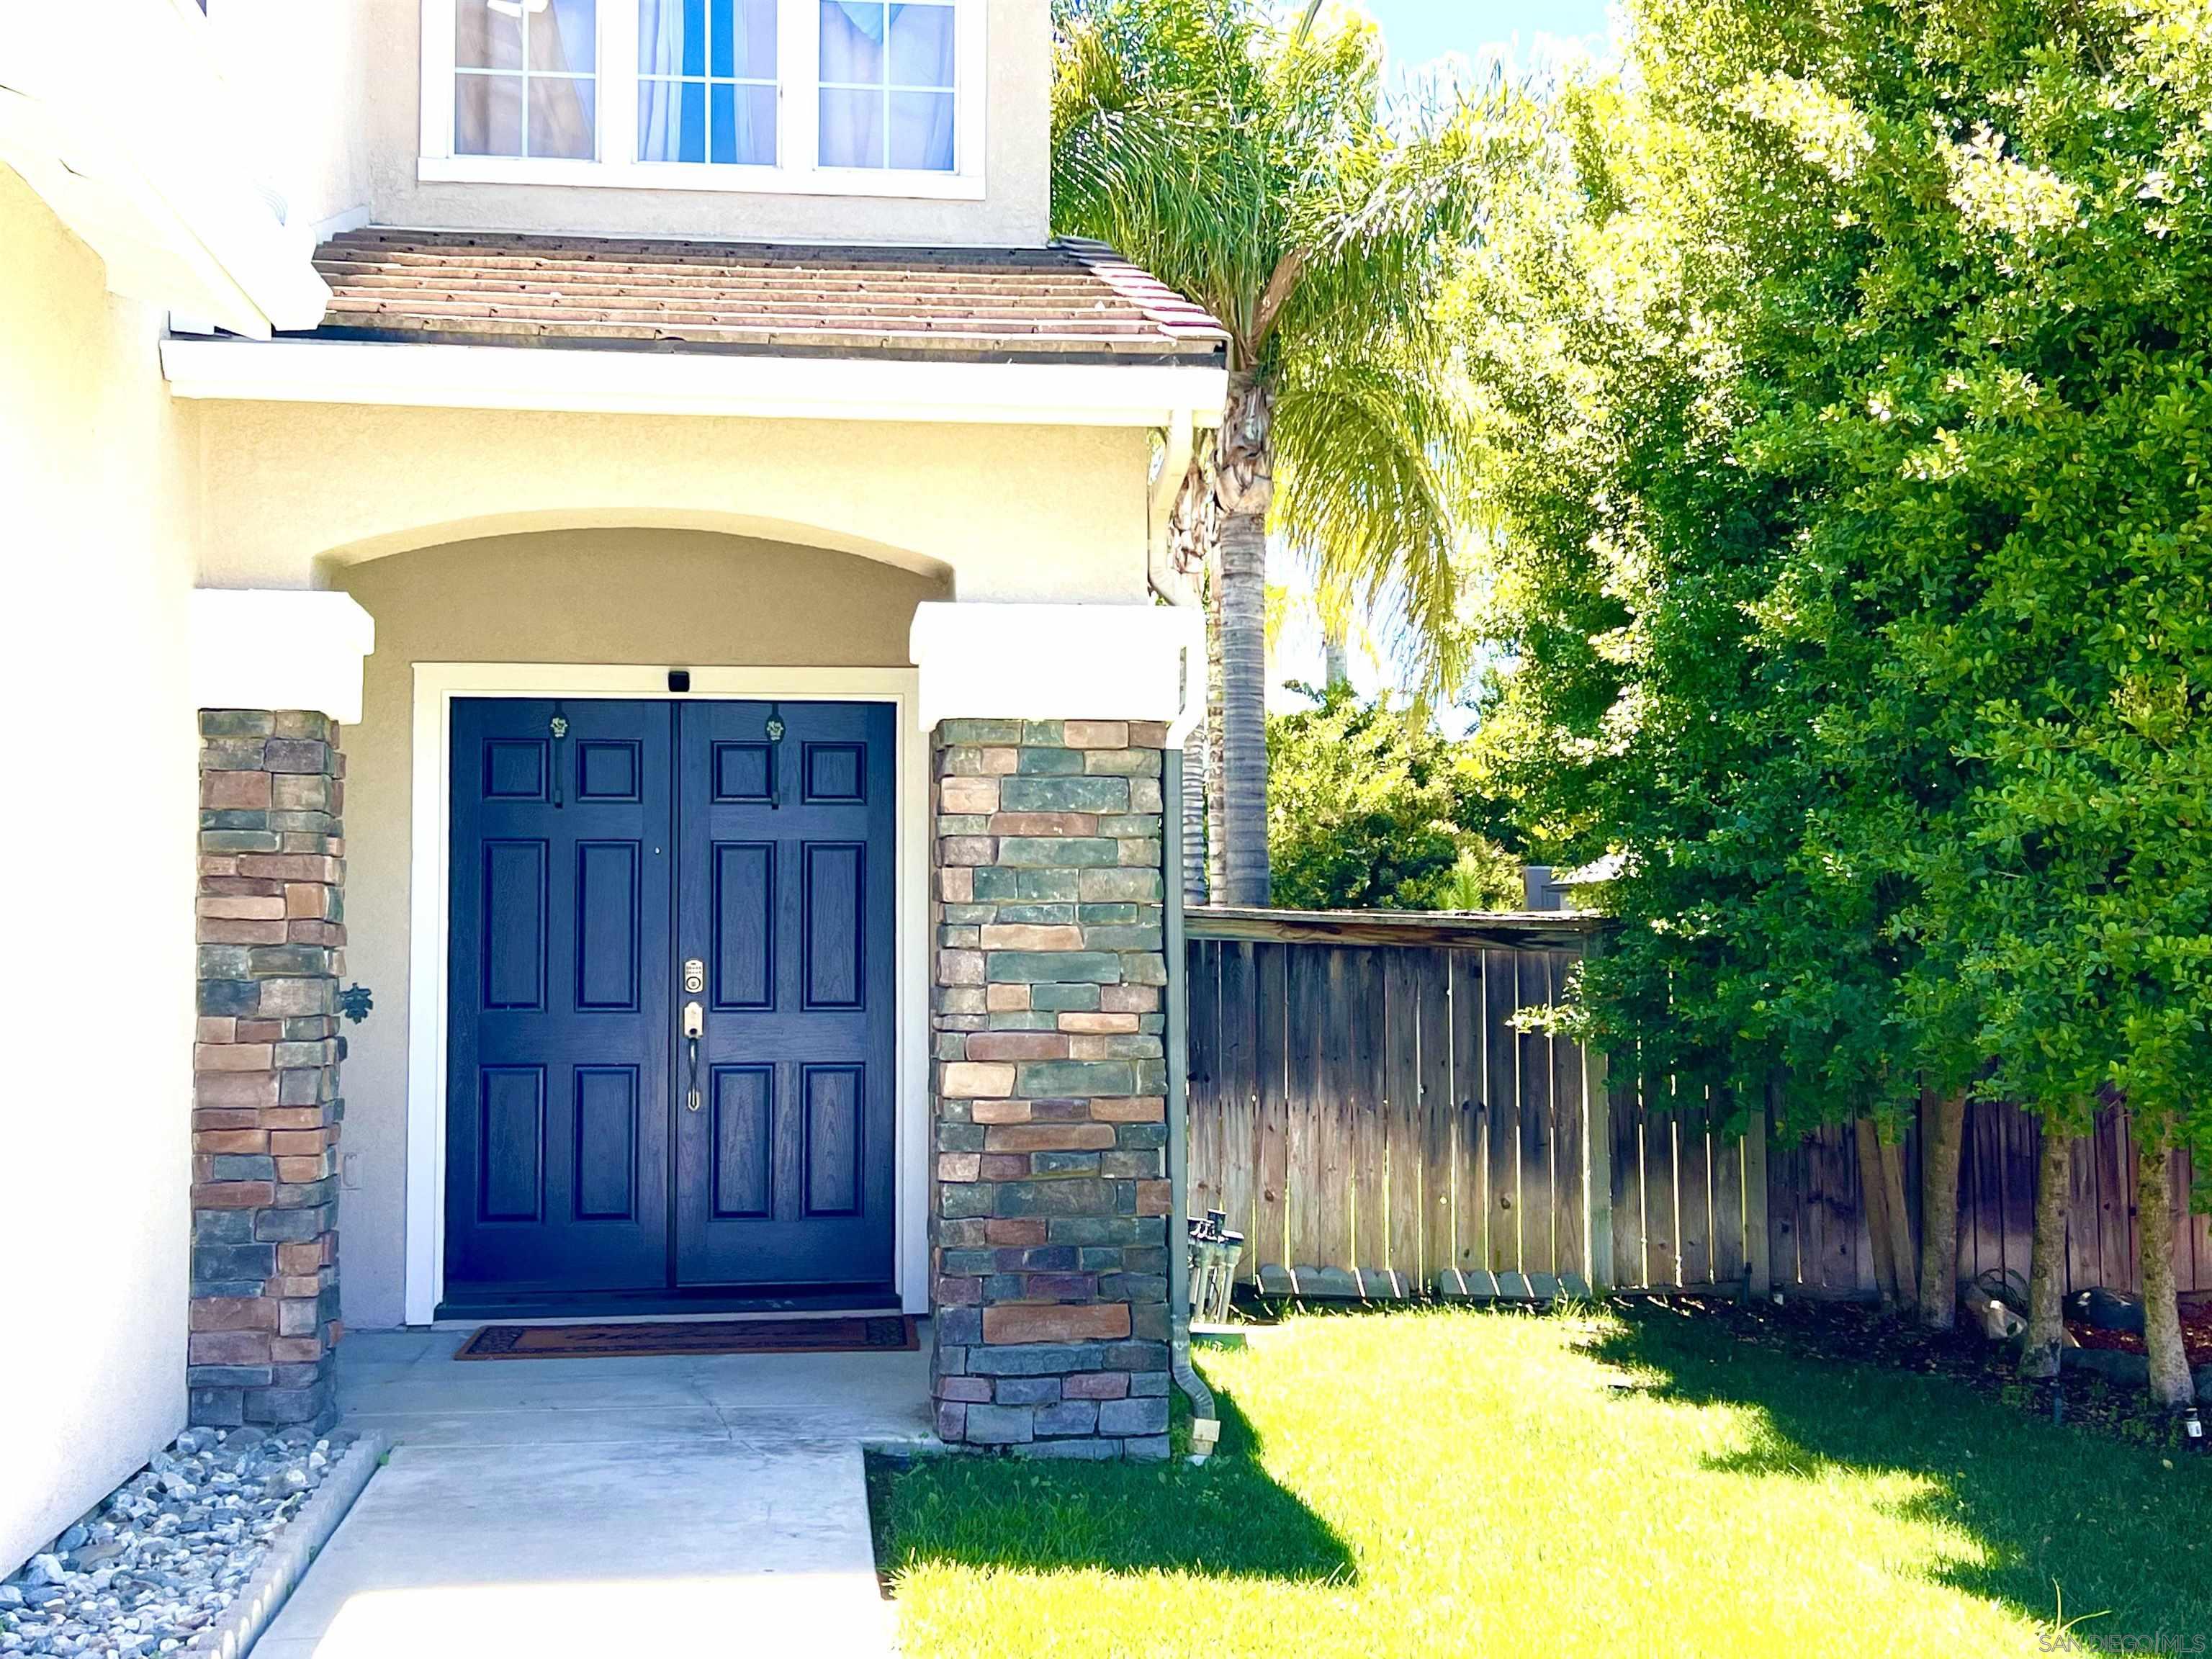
[2116, 1531]
[1227, 1518]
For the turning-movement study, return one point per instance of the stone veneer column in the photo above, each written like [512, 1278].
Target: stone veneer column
[264, 1312]
[1049, 1223]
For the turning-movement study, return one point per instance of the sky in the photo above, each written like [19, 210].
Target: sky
[1524, 34]
[1421, 30]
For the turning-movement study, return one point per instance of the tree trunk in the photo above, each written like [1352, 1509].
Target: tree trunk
[1244, 488]
[1216, 837]
[1336, 657]
[2046, 1269]
[1900, 1224]
[1243, 878]
[1943, 1130]
[1873, 1199]
[1197, 791]
[2170, 1383]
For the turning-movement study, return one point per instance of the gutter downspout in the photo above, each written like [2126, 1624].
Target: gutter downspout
[1204, 1424]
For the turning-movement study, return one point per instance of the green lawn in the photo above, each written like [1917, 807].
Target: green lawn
[1451, 1482]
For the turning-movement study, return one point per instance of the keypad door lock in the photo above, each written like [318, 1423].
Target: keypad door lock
[695, 978]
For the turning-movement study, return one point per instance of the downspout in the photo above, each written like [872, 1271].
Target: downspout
[1204, 1423]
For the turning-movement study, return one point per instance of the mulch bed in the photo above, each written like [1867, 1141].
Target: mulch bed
[1856, 1332]
[2195, 1334]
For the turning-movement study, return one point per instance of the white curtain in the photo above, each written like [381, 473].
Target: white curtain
[659, 52]
[687, 110]
[866, 47]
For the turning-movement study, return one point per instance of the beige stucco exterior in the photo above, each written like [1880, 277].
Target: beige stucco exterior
[468, 536]
[96, 473]
[1010, 513]
[609, 597]
[1014, 211]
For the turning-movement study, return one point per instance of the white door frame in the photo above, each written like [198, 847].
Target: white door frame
[436, 685]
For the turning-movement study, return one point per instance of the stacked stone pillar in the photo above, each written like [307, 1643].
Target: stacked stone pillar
[1049, 1222]
[265, 1272]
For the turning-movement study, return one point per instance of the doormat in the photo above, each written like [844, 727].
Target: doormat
[887, 1333]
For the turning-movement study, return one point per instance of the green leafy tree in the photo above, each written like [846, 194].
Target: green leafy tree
[1241, 155]
[1372, 808]
[1848, 374]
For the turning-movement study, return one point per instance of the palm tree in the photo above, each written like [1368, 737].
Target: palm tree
[1244, 158]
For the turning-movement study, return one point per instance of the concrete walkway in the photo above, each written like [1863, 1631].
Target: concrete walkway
[606, 1507]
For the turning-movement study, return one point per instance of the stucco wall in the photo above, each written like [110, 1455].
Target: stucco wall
[95, 1126]
[1015, 210]
[312, 129]
[1014, 512]
[616, 596]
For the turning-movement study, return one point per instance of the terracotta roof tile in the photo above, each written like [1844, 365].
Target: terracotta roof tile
[1071, 299]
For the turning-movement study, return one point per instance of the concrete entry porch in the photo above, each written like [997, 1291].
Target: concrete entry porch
[588, 1506]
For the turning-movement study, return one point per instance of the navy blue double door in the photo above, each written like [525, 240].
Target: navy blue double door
[669, 1040]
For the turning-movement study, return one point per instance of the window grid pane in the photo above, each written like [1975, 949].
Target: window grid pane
[523, 80]
[694, 104]
[886, 79]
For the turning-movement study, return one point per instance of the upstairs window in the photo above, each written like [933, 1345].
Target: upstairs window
[886, 85]
[706, 88]
[524, 78]
[806, 97]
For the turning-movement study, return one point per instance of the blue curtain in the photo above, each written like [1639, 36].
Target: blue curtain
[683, 114]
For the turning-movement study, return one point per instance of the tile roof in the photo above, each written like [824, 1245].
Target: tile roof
[1072, 300]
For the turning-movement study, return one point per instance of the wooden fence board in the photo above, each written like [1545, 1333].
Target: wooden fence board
[1237, 1089]
[1625, 1126]
[1693, 1183]
[1534, 1130]
[1785, 1184]
[1375, 1105]
[1470, 1088]
[1405, 1142]
[1209, 1159]
[1439, 1115]
[2081, 1217]
[1727, 1155]
[1570, 1212]
[1502, 1106]
[1271, 999]
[2115, 1200]
[1370, 1243]
[1339, 1115]
[1309, 998]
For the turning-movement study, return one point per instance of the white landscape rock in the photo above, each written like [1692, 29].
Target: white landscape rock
[155, 1563]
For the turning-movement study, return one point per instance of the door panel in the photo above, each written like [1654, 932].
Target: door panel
[557, 1035]
[787, 1180]
[586, 868]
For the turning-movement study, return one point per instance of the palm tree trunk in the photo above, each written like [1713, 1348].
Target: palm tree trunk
[1243, 490]
[1216, 829]
[1243, 710]
[2046, 1267]
[2169, 1382]
[1336, 657]
[1943, 1124]
[1197, 792]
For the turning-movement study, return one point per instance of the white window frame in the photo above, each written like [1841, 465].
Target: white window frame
[798, 71]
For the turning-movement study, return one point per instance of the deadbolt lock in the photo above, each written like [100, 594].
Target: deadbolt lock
[695, 978]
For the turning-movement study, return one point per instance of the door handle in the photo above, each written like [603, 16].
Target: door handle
[695, 1027]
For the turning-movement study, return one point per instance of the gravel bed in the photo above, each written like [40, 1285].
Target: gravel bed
[150, 1569]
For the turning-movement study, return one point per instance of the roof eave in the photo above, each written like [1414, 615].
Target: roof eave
[556, 377]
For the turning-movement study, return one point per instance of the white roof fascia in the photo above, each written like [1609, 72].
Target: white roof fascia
[767, 386]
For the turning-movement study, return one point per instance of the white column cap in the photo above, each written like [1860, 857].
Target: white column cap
[279, 648]
[1050, 662]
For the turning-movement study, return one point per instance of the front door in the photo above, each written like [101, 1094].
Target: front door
[670, 1043]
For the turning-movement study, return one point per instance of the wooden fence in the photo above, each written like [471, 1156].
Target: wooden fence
[1368, 1110]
